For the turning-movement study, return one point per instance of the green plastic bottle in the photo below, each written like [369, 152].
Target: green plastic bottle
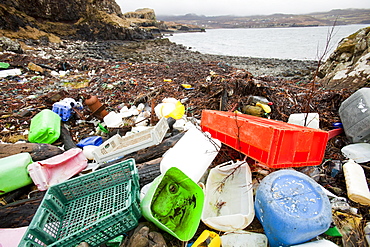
[13, 172]
[45, 127]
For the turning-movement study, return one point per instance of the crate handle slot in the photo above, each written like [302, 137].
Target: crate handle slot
[38, 229]
[54, 206]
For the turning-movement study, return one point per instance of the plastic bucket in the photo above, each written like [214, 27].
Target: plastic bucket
[292, 208]
[174, 203]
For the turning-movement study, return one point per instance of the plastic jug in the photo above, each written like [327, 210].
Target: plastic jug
[292, 208]
[356, 183]
[13, 172]
[64, 108]
[45, 127]
[192, 154]
[354, 113]
[228, 203]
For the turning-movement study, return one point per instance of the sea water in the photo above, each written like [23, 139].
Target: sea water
[301, 43]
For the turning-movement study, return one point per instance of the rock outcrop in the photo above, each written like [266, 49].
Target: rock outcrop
[349, 65]
[53, 20]
[70, 19]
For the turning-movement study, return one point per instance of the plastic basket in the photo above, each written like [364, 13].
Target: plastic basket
[274, 143]
[93, 208]
[118, 146]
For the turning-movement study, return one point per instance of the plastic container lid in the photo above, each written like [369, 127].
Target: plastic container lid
[359, 152]
[92, 140]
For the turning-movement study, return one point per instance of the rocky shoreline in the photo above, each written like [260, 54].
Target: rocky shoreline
[162, 50]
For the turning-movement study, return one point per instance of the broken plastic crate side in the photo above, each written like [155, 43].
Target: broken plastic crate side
[118, 146]
[93, 208]
[274, 143]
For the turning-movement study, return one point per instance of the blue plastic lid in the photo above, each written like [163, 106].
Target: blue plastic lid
[337, 125]
[92, 140]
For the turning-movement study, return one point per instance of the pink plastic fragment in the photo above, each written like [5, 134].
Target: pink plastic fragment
[57, 169]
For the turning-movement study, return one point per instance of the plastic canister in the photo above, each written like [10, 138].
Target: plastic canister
[45, 127]
[354, 113]
[243, 239]
[13, 172]
[357, 188]
[228, 203]
[292, 208]
[192, 154]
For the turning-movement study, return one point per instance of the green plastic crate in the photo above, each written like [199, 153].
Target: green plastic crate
[93, 208]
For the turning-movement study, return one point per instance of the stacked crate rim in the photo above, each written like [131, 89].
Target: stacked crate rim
[93, 208]
[117, 146]
[274, 143]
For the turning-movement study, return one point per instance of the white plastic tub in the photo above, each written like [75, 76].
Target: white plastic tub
[228, 204]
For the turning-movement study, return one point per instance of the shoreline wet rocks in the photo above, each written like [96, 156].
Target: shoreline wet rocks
[163, 50]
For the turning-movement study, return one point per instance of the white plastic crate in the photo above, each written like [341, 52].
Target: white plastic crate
[118, 146]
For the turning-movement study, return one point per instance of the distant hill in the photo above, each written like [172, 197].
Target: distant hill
[341, 16]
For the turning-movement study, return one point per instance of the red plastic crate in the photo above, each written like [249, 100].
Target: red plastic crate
[273, 143]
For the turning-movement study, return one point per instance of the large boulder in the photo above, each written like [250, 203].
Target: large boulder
[349, 65]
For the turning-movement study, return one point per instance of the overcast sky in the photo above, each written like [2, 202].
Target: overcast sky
[239, 7]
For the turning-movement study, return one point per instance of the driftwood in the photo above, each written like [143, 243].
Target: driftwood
[148, 171]
[19, 213]
[38, 151]
[66, 138]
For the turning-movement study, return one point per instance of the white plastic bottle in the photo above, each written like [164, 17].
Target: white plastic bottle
[356, 183]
